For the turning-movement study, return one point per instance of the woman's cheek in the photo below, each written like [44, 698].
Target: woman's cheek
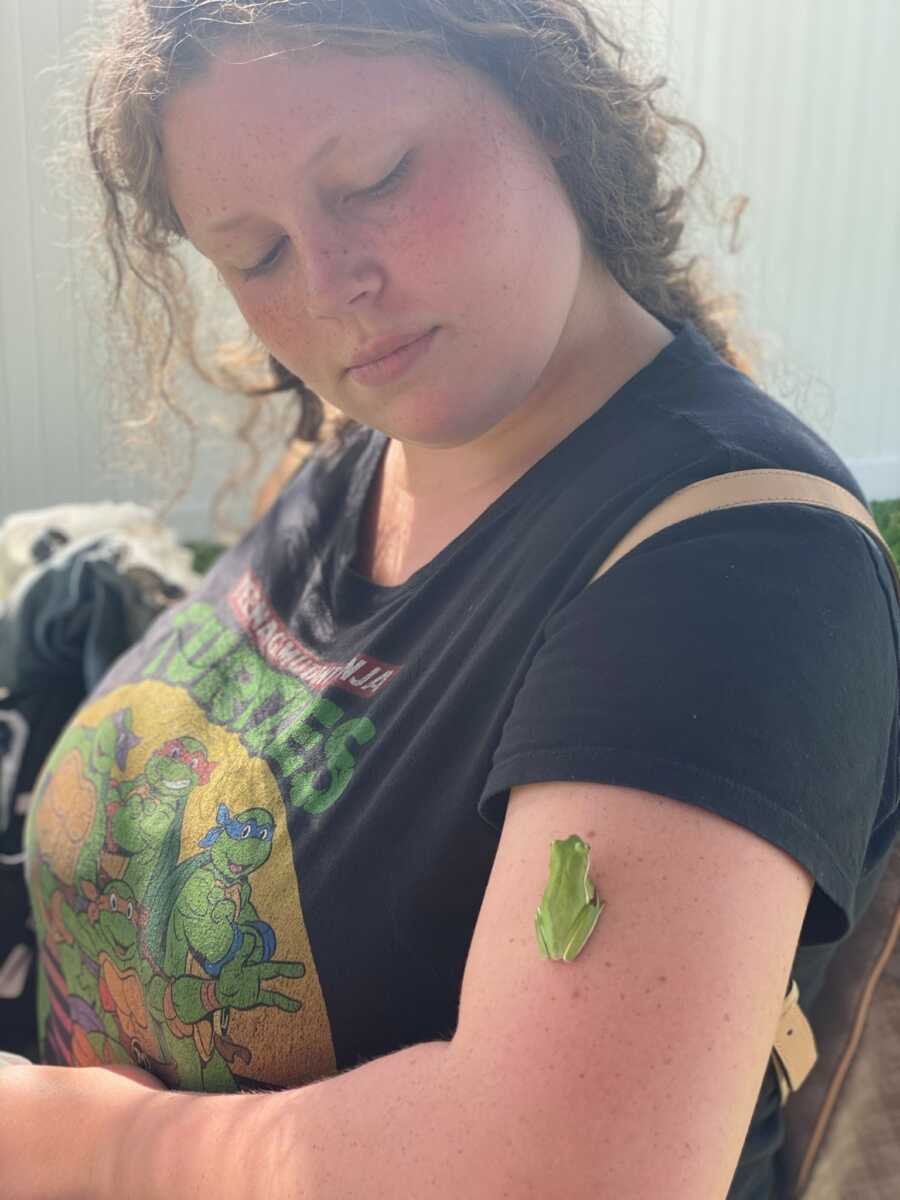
[274, 320]
[434, 230]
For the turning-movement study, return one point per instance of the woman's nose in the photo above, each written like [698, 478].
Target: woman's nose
[339, 270]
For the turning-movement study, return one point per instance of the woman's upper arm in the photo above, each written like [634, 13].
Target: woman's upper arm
[633, 1071]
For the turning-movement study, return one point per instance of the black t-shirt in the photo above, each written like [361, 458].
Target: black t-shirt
[295, 783]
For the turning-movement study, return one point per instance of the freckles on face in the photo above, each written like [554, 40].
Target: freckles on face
[476, 238]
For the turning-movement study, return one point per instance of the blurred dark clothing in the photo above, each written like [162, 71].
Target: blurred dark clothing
[58, 637]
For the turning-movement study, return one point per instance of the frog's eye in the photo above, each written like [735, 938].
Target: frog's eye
[245, 832]
[113, 901]
[129, 911]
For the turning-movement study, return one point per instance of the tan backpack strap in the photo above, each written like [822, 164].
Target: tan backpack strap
[794, 1051]
[739, 488]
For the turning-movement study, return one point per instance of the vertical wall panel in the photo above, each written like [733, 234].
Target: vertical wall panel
[23, 453]
[799, 104]
[58, 390]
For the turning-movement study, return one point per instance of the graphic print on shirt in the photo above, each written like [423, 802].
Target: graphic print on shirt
[165, 893]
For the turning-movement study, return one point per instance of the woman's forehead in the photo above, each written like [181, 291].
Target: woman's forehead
[317, 82]
[303, 105]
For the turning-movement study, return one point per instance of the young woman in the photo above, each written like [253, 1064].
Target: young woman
[293, 847]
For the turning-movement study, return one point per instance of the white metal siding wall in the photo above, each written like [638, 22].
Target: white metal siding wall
[41, 420]
[55, 444]
[800, 102]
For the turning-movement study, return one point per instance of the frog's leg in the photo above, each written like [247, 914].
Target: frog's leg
[544, 948]
[582, 929]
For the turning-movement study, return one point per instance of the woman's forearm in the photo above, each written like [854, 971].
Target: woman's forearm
[409, 1125]
[428, 1122]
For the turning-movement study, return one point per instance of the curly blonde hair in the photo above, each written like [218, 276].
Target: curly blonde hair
[564, 73]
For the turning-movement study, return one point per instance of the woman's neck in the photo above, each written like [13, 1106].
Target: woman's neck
[607, 341]
[422, 497]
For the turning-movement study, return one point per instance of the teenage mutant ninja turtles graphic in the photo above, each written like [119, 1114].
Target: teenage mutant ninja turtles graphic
[168, 912]
[147, 807]
[214, 949]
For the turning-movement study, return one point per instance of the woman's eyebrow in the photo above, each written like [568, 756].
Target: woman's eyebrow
[229, 223]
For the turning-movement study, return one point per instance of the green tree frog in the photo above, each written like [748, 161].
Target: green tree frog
[570, 907]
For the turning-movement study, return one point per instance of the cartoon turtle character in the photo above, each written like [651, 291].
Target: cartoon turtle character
[71, 799]
[73, 1026]
[213, 948]
[106, 1016]
[115, 916]
[147, 808]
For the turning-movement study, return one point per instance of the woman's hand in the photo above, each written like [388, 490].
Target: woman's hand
[60, 1126]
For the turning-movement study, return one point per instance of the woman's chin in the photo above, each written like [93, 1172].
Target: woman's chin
[437, 422]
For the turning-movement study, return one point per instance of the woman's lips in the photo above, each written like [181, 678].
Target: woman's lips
[391, 366]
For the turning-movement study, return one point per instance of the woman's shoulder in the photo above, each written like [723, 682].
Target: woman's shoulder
[743, 415]
[688, 416]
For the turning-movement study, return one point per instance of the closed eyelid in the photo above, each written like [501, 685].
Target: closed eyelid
[393, 176]
[267, 262]
[270, 260]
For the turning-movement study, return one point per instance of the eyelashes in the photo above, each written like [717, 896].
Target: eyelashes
[267, 263]
[385, 185]
[382, 188]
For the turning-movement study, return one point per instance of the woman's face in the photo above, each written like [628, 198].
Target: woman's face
[354, 204]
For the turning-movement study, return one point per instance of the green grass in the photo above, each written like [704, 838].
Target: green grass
[887, 518]
[205, 554]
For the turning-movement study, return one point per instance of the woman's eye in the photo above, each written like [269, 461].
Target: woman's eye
[265, 264]
[389, 181]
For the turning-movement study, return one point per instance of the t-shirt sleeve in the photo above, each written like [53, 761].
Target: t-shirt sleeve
[744, 661]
